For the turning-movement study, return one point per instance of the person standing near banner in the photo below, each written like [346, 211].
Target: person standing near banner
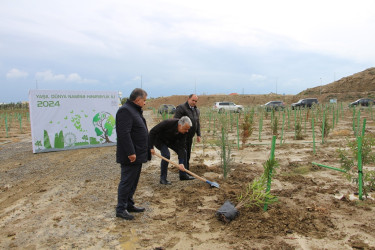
[132, 151]
[189, 109]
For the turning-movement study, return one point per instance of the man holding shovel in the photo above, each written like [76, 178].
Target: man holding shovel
[172, 134]
[189, 108]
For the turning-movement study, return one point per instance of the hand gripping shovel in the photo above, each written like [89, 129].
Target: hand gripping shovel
[213, 184]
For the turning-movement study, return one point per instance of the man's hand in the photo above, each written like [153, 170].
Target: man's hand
[132, 158]
[198, 139]
[181, 167]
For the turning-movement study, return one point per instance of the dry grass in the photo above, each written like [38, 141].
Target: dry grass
[342, 132]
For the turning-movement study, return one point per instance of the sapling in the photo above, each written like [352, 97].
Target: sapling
[307, 114]
[358, 122]
[266, 115]
[224, 144]
[20, 121]
[231, 122]
[348, 162]
[255, 193]
[325, 127]
[260, 125]
[333, 117]
[298, 130]
[282, 129]
[369, 179]
[214, 124]
[238, 133]
[353, 120]
[247, 127]
[203, 142]
[6, 125]
[274, 125]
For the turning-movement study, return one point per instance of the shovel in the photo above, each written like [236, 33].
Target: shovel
[213, 184]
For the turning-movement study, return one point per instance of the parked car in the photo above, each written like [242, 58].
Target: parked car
[222, 107]
[274, 105]
[167, 108]
[362, 102]
[305, 103]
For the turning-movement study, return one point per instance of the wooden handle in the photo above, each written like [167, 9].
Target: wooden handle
[177, 165]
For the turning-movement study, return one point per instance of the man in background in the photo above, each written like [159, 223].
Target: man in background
[189, 109]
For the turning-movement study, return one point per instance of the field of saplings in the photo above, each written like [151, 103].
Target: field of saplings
[289, 179]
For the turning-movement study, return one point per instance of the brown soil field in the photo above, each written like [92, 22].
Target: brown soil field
[67, 199]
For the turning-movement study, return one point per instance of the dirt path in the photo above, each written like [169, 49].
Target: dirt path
[67, 200]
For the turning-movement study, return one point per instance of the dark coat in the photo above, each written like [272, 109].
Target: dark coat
[166, 132]
[193, 114]
[132, 134]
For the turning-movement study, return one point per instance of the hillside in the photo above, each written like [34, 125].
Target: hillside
[346, 89]
[356, 86]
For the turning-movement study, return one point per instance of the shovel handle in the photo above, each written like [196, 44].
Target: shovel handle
[177, 165]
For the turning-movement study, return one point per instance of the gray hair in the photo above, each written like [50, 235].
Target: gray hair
[185, 120]
[137, 92]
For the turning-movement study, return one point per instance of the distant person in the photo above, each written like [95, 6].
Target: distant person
[132, 150]
[189, 108]
[172, 134]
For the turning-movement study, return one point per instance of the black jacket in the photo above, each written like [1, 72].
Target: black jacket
[166, 132]
[193, 114]
[132, 134]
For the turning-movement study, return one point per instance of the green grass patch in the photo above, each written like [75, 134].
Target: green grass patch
[298, 170]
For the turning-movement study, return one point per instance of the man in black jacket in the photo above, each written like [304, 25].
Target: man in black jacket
[132, 150]
[172, 134]
[189, 108]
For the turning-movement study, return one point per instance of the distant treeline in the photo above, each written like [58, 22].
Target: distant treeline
[11, 106]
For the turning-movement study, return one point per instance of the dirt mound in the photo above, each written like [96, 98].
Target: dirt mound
[356, 86]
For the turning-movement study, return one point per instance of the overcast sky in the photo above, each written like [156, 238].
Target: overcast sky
[178, 47]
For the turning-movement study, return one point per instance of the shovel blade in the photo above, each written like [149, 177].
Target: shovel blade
[213, 184]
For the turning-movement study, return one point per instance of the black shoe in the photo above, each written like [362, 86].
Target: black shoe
[165, 182]
[125, 215]
[136, 209]
[186, 177]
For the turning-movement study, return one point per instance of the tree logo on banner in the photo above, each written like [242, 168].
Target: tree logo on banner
[104, 124]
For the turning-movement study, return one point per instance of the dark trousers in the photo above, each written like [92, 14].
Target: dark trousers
[164, 151]
[189, 143]
[128, 184]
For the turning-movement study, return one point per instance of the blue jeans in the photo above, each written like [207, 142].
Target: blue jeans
[164, 151]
